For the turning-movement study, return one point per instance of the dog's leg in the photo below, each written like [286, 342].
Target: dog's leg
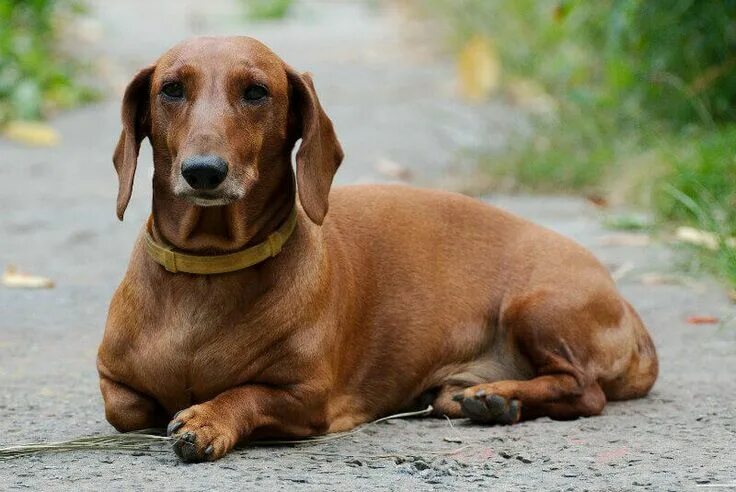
[507, 402]
[127, 410]
[209, 430]
[574, 342]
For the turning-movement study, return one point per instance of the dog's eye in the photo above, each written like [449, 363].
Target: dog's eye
[174, 90]
[255, 93]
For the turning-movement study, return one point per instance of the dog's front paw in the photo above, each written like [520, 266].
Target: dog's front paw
[200, 435]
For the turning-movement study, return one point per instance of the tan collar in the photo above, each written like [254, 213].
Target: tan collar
[175, 262]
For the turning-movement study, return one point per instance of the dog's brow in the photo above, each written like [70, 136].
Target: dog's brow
[184, 71]
[249, 73]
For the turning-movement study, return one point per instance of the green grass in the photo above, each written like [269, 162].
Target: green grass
[36, 78]
[699, 185]
[700, 189]
[571, 154]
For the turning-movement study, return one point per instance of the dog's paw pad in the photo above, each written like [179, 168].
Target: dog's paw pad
[489, 409]
[185, 447]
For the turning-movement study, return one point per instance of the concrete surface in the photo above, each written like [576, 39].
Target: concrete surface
[389, 101]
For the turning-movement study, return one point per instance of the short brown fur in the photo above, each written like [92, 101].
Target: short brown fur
[394, 298]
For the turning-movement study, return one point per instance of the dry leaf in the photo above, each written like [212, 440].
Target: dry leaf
[597, 200]
[393, 169]
[479, 68]
[702, 320]
[658, 279]
[31, 133]
[698, 237]
[732, 295]
[18, 280]
[625, 239]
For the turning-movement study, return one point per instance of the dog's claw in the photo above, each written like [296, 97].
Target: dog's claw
[496, 404]
[209, 450]
[474, 408]
[513, 414]
[173, 426]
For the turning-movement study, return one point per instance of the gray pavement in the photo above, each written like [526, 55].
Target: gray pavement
[390, 101]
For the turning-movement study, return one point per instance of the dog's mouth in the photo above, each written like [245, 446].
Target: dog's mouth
[224, 194]
[209, 201]
[215, 198]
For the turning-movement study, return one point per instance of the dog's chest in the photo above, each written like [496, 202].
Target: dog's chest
[195, 348]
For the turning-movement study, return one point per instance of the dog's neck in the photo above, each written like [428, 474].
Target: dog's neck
[221, 229]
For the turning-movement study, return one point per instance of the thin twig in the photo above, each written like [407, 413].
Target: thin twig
[341, 435]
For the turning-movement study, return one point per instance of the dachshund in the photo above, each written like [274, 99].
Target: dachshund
[260, 304]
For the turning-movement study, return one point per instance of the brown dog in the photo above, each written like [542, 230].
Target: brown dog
[397, 298]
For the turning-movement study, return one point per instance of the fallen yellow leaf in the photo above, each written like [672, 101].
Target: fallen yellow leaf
[625, 239]
[31, 133]
[18, 280]
[479, 68]
[654, 278]
[705, 239]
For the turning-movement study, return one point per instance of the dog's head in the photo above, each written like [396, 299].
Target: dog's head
[222, 115]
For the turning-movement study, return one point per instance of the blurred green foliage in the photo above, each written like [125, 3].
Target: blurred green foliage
[675, 60]
[645, 91]
[699, 184]
[680, 55]
[35, 77]
[267, 9]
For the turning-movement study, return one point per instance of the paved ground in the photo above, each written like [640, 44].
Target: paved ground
[390, 101]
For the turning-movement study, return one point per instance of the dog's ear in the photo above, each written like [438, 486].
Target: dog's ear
[136, 126]
[319, 154]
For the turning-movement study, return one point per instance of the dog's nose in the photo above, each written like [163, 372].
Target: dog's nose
[204, 172]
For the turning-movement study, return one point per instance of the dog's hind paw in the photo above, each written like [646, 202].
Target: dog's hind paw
[488, 409]
[199, 436]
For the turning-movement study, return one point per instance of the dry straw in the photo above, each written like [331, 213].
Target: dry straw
[149, 440]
